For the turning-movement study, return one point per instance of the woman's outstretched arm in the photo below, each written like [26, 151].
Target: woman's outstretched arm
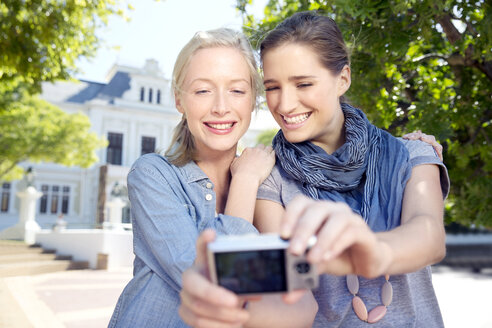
[346, 244]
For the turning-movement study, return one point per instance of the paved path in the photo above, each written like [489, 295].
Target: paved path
[76, 299]
[465, 298]
[69, 299]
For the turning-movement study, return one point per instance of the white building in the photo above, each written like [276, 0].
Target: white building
[135, 111]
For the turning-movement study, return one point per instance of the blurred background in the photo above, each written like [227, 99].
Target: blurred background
[85, 91]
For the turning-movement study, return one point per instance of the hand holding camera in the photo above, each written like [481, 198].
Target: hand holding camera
[258, 264]
[204, 303]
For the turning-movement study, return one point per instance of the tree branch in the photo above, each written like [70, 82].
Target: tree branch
[485, 67]
[448, 27]
[2, 174]
[429, 56]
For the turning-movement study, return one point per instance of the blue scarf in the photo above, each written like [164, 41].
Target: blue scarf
[369, 172]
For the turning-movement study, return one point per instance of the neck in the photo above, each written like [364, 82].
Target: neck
[213, 163]
[334, 136]
[217, 167]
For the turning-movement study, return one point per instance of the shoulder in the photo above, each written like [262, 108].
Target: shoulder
[151, 165]
[279, 177]
[279, 187]
[417, 148]
[151, 159]
[423, 153]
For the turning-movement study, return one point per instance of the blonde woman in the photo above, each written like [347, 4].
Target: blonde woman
[199, 182]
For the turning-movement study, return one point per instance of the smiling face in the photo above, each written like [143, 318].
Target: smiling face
[216, 98]
[303, 95]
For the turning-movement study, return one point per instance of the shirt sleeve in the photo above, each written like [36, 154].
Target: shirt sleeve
[270, 188]
[423, 153]
[164, 225]
[231, 225]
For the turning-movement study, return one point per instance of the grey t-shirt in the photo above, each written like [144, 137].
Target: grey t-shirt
[414, 302]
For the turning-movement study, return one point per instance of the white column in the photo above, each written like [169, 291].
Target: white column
[115, 215]
[131, 148]
[27, 226]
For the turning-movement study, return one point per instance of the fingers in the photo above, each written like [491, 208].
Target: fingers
[413, 135]
[318, 215]
[305, 217]
[344, 241]
[293, 297]
[339, 227]
[204, 304]
[433, 142]
[430, 139]
[198, 286]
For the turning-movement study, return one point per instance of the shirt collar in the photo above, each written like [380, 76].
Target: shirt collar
[192, 172]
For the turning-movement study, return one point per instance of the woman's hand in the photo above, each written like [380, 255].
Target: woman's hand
[345, 243]
[204, 304]
[248, 171]
[430, 139]
[254, 164]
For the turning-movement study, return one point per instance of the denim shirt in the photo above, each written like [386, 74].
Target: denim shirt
[170, 207]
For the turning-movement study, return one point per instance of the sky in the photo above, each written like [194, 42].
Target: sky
[158, 30]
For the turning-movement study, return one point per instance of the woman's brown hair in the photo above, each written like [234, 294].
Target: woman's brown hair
[321, 33]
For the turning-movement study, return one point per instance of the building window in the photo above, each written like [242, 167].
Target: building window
[158, 96]
[54, 199]
[44, 199]
[115, 147]
[150, 95]
[142, 94]
[5, 197]
[126, 215]
[57, 198]
[148, 145]
[65, 199]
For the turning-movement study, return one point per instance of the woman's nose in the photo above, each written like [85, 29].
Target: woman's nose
[220, 106]
[287, 101]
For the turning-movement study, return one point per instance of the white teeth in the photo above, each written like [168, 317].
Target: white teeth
[296, 119]
[220, 126]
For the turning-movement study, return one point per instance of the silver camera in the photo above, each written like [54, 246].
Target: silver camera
[259, 264]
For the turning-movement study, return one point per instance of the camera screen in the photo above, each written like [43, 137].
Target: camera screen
[247, 272]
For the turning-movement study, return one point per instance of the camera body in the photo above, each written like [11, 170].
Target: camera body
[258, 264]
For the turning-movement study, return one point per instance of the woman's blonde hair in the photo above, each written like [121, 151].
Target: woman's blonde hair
[182, 149]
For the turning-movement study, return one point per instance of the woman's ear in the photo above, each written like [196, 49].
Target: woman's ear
[177, 102]
[344, 81]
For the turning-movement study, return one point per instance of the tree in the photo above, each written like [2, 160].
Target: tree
[266, 137]
[41, 40]
[37, 131]
[419, 65]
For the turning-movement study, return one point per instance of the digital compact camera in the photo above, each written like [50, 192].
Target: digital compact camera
[258, 264]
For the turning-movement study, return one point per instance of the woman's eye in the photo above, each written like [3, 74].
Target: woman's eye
[304, 85]
[241, 92]
[270, 89]
[200, 92]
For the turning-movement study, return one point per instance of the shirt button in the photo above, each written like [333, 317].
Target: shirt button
[208, 197]
[209, 185]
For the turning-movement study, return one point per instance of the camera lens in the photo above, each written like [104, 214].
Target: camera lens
[303, 267]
